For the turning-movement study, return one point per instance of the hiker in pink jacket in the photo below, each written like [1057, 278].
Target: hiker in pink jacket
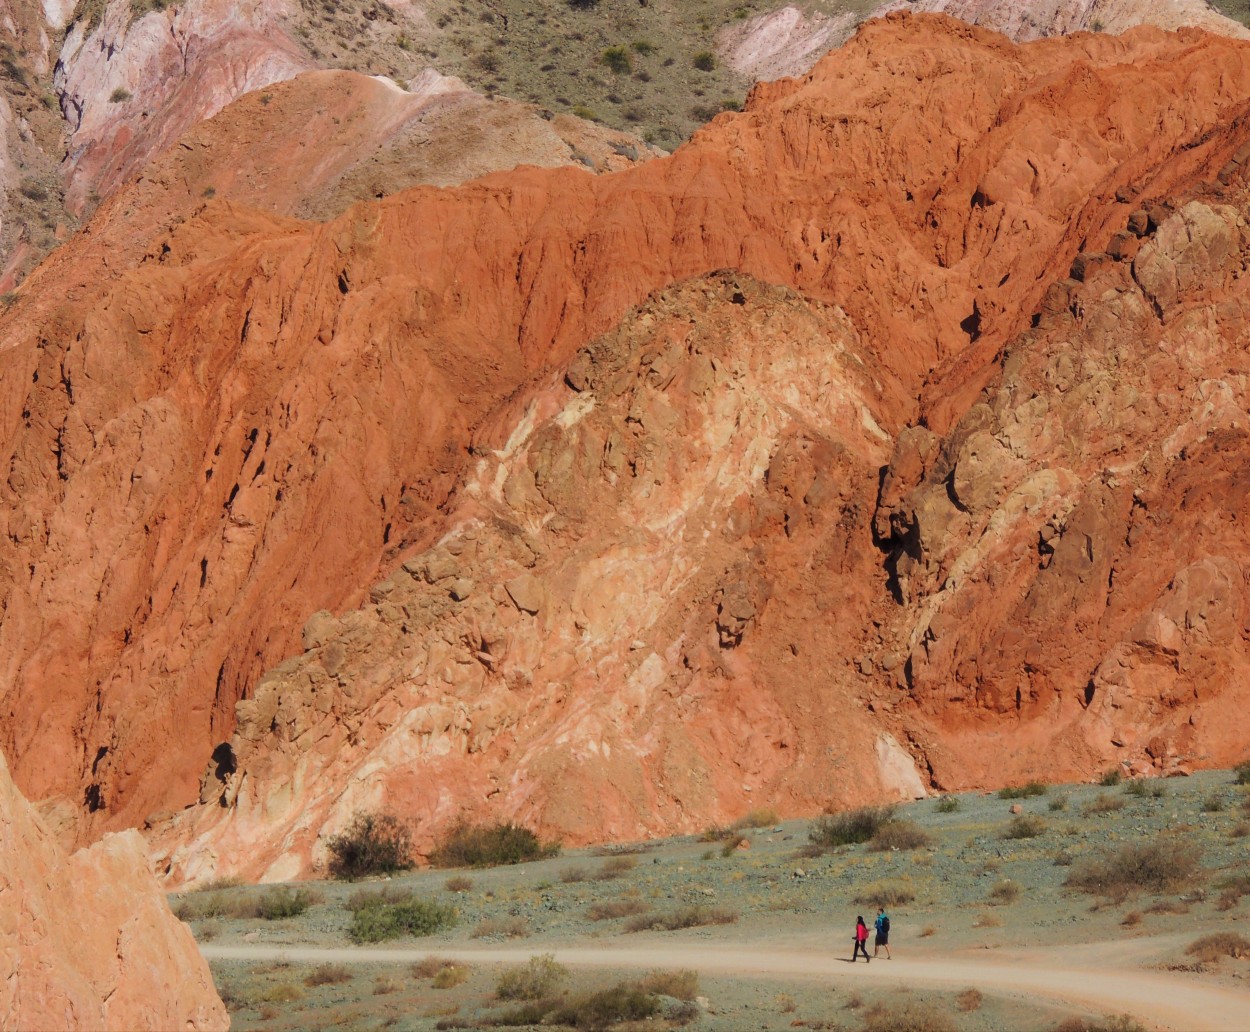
[861, 941]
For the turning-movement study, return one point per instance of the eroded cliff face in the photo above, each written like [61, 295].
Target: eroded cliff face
[218, 428]
[88, 940]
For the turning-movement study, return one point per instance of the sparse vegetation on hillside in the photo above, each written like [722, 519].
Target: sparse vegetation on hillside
[1166, 863]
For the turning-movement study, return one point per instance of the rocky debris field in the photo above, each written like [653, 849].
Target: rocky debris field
[988, 883]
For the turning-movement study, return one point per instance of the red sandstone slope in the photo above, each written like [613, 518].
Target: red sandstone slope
[88, 940]
[258, 418]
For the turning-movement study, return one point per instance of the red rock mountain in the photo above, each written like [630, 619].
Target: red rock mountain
[88, 940]
[949, 459]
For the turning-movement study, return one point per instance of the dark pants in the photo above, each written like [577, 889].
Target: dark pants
[860, 947]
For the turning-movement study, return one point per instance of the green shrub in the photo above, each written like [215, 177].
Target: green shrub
[1145, 788]
[616, 59]
[1154, 866]
[120, 95]
[1024, 826]
[382, 915]
[704, 61]
[896, 835]
[286, 902]
[458, 883]
[1111, 778]
[849, 828]
[490, 845]
[948, 804]
[534, 980]
[643, 47]
[374, 843]
[1027, 791]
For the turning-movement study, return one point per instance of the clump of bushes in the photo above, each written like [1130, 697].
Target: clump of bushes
[377, 916]
[374, 843]
[896, 834]
[687, 917]
[534, 980]
[948, 804]
[889, 893]
[328, 974]
[615, 908]
[1025, 826]
[1154, 866]
[849, 828]
[286, 902]
[490, 845]
[1212, 948]
[1026, 791]
[1143, 788]
[616, 59]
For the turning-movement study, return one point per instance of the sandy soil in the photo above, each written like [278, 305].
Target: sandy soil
[1089, 975]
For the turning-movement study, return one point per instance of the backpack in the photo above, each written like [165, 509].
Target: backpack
[885, 925]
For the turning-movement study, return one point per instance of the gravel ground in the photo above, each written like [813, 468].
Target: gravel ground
[781, 899]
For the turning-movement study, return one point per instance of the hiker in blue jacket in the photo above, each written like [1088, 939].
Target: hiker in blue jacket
[883, 934]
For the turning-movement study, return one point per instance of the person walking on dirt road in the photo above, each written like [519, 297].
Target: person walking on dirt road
[861, 941]
[883, 934]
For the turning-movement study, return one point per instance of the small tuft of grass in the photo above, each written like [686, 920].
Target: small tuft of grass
[927, 931]
[458, 883]
[1111, 777]
[911, 1015]
[675, 920]
[328, 974]
[897, 835]
[1027, 791]
[704, 61]
[1241, 773]
[1214, 803]
[536, 979]
[451, 976]
[572, 875]
[1145, 788]
[891, 892]
[501, 928]
[1005, 891]
[947, 804]
[987, 920]
[617, 908]
[1025, 826]
[1132, 919]
[1104, 802]
[1057, 803]
[615, 867]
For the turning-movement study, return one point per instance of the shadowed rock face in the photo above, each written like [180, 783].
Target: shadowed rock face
[218, 428]
[88, 939]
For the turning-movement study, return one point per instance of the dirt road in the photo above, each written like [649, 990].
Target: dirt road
[1090, 977]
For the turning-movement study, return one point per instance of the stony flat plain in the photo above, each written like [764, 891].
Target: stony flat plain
[969, 906]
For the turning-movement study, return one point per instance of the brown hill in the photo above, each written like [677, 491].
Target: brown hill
[213, 434]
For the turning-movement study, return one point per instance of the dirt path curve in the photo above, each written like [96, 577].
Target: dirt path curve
[1086, 977]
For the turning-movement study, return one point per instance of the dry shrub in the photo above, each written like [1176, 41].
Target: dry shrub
[1104, 802]
[283, 992]
[680, 985]
[451, 976]
[501, 928]
[850, 828]
[1239, 830]
[615, 867]
[1025, 826]
[218, 884]
[927, 931]
[1168, 906]
[1120, 1023]
[969, 1000]
[374, 843]
[1154, 866]
[536, 979]
[761, 818]
[615, 908]
[328, 974]
[209, 931]
[458, 883]
[268, 1012]
[1131, 919]
[1212, 948]
[428, 967]
[1145, 788]
[283, 902]
[1214, 803]
[490, 845]
[892, 892]
[687, 917]
[733, 843]
[206, 906]
[570, 875]
[1005, 891]
[906, 1016]
[947, 804]
[987, 920]
[785, 1003]
[854, 1002]
[895, 835]
[384, 985]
